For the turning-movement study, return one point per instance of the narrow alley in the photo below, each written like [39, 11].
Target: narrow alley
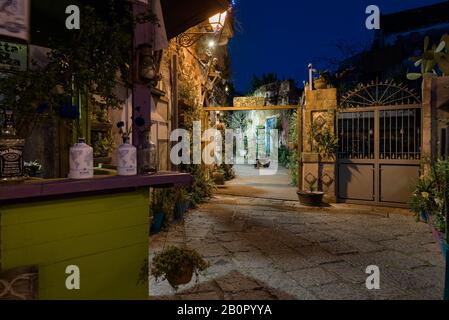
[275, 249]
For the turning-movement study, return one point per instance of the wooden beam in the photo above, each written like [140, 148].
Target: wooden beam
[252, 108]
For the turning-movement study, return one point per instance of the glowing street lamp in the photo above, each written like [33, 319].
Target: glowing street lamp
[212, 44]
[216, 24]
[218, 21]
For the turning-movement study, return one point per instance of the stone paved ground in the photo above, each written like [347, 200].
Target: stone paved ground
[271, 249]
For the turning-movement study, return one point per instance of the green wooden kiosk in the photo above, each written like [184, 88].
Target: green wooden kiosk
[99, 225]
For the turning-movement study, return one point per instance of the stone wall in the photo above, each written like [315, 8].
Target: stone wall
[249, 101]
[319, 171]
[182, 88]
[183, 79]
[281, 93]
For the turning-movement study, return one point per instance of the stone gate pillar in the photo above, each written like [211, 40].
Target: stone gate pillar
[435, 106]
[319, 170]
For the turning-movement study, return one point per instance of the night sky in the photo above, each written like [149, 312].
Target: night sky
[284, 36]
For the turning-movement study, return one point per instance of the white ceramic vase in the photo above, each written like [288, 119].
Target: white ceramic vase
[127, 159]
[81, 161]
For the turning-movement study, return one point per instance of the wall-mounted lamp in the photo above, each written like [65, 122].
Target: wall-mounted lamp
[211, 44]
[218, 21]
[213, 28]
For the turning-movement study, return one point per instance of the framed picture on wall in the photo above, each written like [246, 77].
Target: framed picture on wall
[14, 19]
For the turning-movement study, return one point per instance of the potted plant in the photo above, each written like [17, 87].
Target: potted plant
[219, 177]
[203, 185]
[177, 266]
[430, 201]
[323, 80]
[312, 197]
[161, 207]
[181, 197]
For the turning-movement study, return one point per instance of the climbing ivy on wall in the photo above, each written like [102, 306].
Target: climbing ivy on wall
[293, 141]
[203, 185]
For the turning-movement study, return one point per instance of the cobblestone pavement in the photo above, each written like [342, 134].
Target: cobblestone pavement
[271, 249]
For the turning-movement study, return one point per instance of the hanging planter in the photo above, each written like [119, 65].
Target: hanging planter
[177, 265]
[182, 276]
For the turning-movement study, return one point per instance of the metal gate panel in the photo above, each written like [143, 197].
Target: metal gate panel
[396, 182]
[379, 127]
[356, 181]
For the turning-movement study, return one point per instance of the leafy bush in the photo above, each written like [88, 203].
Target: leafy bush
[163, 200]
[203, 186]
[431, 194]
[180, 195]
[284, 156]
[84, 63]
[293, 140]
[324, 140]
[227, 171]
[103, 145]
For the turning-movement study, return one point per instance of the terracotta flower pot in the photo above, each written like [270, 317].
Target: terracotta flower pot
[320, 83]
[312, 199]
[181, 276]
[218, 178]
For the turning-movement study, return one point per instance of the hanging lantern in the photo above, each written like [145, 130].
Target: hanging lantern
[218, 21]
[147, 70]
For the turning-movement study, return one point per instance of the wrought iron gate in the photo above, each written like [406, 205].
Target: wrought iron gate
[379, 127]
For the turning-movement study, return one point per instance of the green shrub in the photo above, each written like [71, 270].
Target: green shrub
[431, 194]
[293, 140]
[203, 186]
[284, 156]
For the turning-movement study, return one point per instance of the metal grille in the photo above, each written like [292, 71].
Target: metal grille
[356, 135]
[400, 134]
[376, 93]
